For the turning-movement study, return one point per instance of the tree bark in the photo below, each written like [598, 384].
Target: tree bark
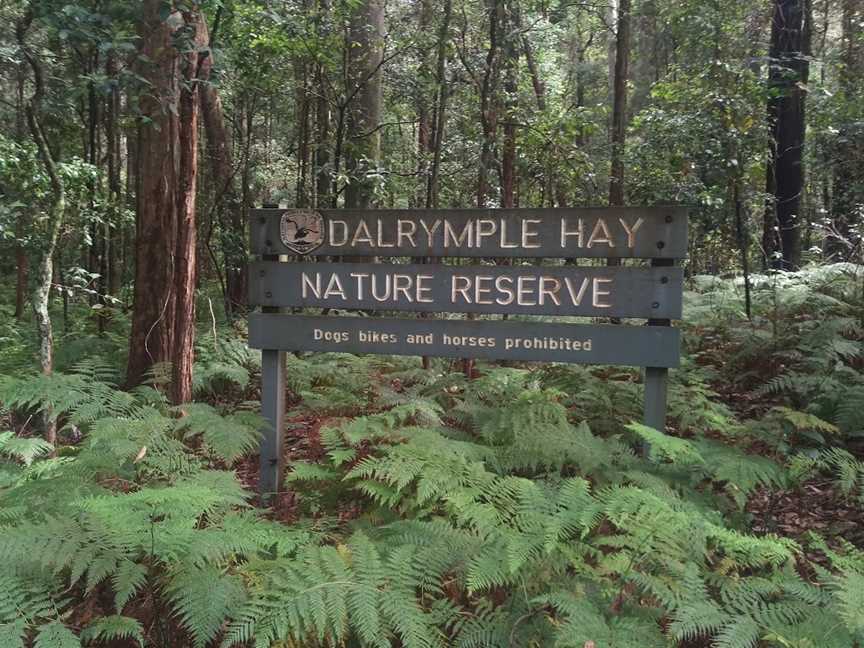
[115, 183]
[228, 206]
[488, 108]
[787, 79]
[363, 116]
[164, 309]
[21, 262]
[619, 104]
[440, 113]
[848, 179]
[510, 55]
[44, 266]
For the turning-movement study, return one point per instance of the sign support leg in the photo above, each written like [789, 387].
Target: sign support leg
[272, 467]
[655, 397]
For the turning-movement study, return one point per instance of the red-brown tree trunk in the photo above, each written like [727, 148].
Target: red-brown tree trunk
[163, 316]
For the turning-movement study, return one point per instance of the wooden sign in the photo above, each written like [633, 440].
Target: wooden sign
[649, 293]
[619, 232]
[651, 346]
[519, 290]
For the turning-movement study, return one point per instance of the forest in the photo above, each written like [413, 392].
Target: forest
[429, 502]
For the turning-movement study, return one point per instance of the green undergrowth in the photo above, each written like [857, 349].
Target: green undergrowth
[526, 507]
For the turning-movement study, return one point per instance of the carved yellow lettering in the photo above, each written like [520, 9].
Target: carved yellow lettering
[338, 241]
[566, 232]
[430, 233]
[402, 284]
[549, 287]
[598, 293]
[576, 297]
[631, 231]
[460, 285]
[377, 294]
[482, 290]
[524, 290]
[423, 290]
[334, 287]
[505, 285]
[485, 228]
[381, 242]
[361, 286]
[307, 283]
[505, 244]
[450, 235]
[362, 235]
[529, 236]
[600, 228]
[406, 229]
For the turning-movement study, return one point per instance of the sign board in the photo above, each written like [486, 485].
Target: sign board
[615, 232]
[606, 344]
[517, 290]
[496, 282]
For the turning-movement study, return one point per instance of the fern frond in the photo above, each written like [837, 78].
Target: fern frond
[56, 635]
[114, 628]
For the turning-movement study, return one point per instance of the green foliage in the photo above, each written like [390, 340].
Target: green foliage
[523, 507]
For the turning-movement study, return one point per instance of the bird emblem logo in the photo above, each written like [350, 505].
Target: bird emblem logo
[302, 230]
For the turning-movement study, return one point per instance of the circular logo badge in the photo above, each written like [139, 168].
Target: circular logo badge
[302, 230]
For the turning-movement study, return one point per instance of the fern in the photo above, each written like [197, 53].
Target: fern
[23, 449]
[202, 598]
[56, 635]
[226, 437]
[114, 628]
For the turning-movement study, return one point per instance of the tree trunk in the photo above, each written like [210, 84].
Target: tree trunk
[440, 114]
[44, 266]
[20, 270]
[115, 183]
[488, 108]
[848, 179]
[185, 254]
[228, 207]
[510, 55]
[20, 224]
[363, 149]
[619, 104]
[790, 48]
[163, 316]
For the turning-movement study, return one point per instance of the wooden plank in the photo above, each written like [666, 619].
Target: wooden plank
[615, 232]
[521, 341]
[517, 290]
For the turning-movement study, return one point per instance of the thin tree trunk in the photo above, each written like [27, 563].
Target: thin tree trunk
[20, 223]
[44, 266]
[510, 55]
[363, 150]
[619, 104]
[440, 108]
[228, 207]
[439, 122]
[20, 270]
[848, 179]
[185, 255]
[488, 108]
[115, 184]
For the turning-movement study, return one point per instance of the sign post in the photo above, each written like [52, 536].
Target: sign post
[653, 293]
